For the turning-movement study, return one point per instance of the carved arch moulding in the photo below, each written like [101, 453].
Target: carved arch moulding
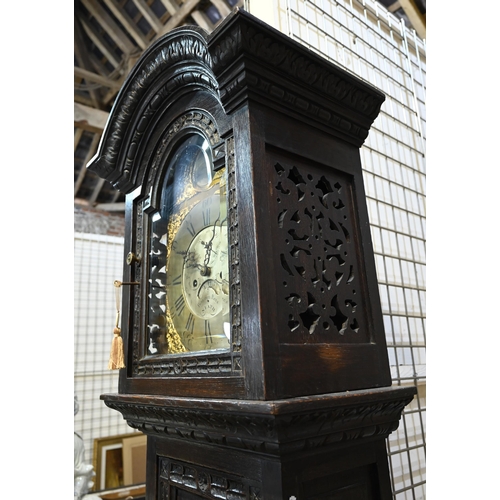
[176, 63]
[188, 58]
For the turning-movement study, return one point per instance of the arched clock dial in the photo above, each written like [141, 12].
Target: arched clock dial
[197, 278]
[189, 282]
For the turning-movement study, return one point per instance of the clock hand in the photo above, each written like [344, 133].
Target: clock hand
[208, 247]
[224, 285]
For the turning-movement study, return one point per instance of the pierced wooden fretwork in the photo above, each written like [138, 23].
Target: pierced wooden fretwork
[317, 255]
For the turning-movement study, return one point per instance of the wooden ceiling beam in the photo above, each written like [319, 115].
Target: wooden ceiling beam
[171, 6]
[91, 119]
[128, 23]
[102, 45]
[109, 26]
[81, 201]
[82, 57]
[100, 67]
[202, 20]
[97, 189]
[176, 20]
[83, 169]
[111, 207]
[394, 6]
[78, 136]
[417, 18]
[222, 7]
[148, 14]
[86, 101]
[89, 76]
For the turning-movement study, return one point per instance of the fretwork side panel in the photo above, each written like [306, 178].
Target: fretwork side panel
[316, 256]
[363, 37]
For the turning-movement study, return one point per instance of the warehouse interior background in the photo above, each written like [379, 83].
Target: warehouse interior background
[461, 138]
[381, 42]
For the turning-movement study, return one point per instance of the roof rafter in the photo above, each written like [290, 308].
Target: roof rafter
[109, 26]
[178, 17]
[91, 119]
[148, 14]
[94, 77]
[83, 58]
[110, 35]
[128, 23]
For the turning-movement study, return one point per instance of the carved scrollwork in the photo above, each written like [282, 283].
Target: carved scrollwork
[272, 434]
[165, 367]
[151, 84]
[317, 255]
[212, 484]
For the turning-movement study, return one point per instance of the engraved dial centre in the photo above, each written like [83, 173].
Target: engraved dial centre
[204, 275]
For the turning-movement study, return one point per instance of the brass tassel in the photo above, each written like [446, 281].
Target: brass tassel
[116, 356]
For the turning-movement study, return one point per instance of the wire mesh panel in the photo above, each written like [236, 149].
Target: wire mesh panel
[98, 261]
[367, 40]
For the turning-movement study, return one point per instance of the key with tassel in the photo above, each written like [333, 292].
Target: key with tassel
[116, 357]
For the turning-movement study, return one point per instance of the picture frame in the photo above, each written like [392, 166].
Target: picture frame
[119, 461]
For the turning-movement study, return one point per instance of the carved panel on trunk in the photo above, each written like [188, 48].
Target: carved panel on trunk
[203, 483]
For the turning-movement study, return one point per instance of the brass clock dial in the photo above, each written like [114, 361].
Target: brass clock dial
[190, 247]
[197, 277]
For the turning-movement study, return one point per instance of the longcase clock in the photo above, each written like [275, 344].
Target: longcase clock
[255, 350]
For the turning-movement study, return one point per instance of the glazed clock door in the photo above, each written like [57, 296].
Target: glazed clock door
[188, 286]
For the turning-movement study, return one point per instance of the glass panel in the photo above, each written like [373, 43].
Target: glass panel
[189, 272]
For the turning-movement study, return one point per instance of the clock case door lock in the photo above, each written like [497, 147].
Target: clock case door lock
[133, 258]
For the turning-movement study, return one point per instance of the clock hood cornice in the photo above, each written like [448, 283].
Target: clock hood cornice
[240, 61]
[176, 63]
[253, 61]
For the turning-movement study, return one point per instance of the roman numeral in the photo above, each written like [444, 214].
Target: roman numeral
[206, 216]
[208, 333]
[190, 324]
[180, 304]
[190, 228]
[177, 281]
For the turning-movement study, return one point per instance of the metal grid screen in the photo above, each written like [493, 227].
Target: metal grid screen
[98, 261]
[364, 38]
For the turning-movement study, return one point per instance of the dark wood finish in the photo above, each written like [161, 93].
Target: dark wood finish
[308, 447]
[304, 295]
[301, 403]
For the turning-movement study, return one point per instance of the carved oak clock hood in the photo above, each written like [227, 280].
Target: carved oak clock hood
[254, 344]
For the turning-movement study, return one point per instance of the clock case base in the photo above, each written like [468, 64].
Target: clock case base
[330, 446]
